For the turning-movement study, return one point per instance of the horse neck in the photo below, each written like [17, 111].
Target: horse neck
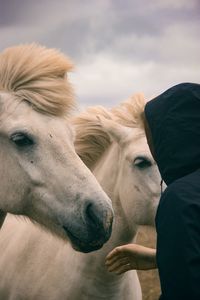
[92, 265]
[95, 282]
[106, 171]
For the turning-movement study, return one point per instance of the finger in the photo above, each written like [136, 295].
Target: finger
[123, 269]
[117, 264]
[113, 253]
[114, 259]
[117, 252]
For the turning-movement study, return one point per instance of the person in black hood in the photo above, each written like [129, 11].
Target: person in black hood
[172, 125]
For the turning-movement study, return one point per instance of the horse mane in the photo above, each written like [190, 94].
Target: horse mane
[34, 73]
[91, 140]
[129, 112]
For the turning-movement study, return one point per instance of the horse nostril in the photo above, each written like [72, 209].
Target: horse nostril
[99, 220]
[92, 216]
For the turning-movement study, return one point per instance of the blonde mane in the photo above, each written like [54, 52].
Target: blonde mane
[91, 139]
[129, 112]
[38, 75]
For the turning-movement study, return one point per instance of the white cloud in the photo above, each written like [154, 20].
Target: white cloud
[119, 47]
[107, 81]
[178, 4]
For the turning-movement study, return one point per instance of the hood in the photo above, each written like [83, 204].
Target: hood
[174, 121]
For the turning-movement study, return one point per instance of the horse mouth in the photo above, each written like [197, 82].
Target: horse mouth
[81, 246]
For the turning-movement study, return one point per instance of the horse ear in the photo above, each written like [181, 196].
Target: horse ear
[116, 131]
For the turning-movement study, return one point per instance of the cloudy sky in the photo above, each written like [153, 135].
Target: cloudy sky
[119, 47]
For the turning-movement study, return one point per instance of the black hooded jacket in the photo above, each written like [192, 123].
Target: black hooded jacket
[174, 121]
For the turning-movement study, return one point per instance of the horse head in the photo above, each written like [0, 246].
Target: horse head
[42, 177]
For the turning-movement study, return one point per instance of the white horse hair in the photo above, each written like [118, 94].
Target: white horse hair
[112, 143]
[41, 175]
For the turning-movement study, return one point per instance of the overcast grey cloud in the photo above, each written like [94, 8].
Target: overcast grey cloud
[118, 47]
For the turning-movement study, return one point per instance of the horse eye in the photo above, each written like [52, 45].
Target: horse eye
[21, 139]
[142, 163]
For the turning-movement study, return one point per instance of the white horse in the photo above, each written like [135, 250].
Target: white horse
[119, 157]
[41, 175]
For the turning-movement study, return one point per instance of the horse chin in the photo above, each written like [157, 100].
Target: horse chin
[81, 246]
[86, 248]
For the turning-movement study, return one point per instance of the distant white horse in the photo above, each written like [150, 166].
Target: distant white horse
[119, 157]
[41, 175]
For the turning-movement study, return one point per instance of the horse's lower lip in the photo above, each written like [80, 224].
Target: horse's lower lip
[79, 245]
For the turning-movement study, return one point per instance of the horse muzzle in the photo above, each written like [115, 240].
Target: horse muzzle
[95, 230]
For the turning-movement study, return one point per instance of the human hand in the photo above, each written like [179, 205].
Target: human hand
[130, 257]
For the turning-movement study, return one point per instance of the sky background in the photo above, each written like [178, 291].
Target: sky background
[119, 47]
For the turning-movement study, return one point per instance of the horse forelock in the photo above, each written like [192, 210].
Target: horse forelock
[38, 75]
[91, 139]
[129, 112]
